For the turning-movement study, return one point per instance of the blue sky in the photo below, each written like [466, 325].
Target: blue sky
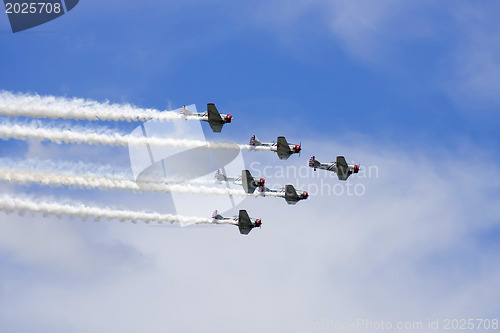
[411, 87]
[394, 79]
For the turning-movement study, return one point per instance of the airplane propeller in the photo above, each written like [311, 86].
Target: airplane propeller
[359, 167]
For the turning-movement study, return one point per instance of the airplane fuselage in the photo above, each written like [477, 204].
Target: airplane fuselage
[204, 116]
[340, 167]
[274, 145]
[281, 147]
[234, 220]
[226, 220]
[328, 166]
[281, 193]
[294, 149]
[333, 167]
[243, 221]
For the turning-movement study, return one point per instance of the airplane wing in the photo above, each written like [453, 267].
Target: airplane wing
[247, 181]
[291, 196]
[283, 149]
[342, 168]
[214, 119]
[244, 223]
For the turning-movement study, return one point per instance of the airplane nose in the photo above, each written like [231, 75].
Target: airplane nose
[356, 168]
[305, 195]
[229, 118]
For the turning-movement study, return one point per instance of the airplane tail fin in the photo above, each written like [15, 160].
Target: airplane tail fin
[185, 111]
[216, 215]
[314, 163]
[254, 141]
[311, 161]
[220, 176]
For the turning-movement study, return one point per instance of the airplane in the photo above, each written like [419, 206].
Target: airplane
[341, 168]
[221, 177]
[212, 116]
[243, 221]
[291, 195]
[281, 147]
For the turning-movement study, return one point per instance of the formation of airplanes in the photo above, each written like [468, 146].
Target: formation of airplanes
[257, 187]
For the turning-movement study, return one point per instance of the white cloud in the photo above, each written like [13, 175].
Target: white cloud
[371, 30]
[475, 79]
[367, 29]
[376, 32]
[411, 248]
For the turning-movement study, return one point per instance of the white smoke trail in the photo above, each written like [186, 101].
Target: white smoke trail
[66, 168]
[187, 223]
[89, 170]
[36, 106]
[270, 194]
[101, 183]
[9, 205]
[106, 137]
[255, 148]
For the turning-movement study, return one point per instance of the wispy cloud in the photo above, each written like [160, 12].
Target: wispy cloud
[379, 33]
[401, 251]
[476, 59]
